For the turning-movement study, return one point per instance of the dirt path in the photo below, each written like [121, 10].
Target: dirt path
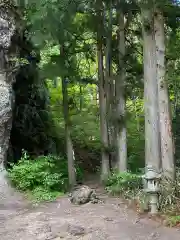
[62, 220]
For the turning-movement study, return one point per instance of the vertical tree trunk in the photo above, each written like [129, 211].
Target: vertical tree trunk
[7, 30]
[108, 76]
[152, 135]
[167, 150]
[103, 120]
[81, 98]
[102, 96]
[120, 99]
[97, 95]
[69, 144]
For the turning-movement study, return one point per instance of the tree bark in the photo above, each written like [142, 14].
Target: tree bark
[103, 121]
[69, 144]
[152, 133]
[81, 98]
[167, 149]
[108, 79]
[120, 99]
[102, 96]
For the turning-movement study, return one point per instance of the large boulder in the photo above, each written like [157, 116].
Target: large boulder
[7, 53]
[83, 194]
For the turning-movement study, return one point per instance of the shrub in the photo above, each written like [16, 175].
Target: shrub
[169, 197]
[130, 186]
[125, 184]
[44, 176]
[41, 194]
[173, 221]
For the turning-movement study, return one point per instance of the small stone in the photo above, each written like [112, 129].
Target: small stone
[165, 222]
[153, 235]
[94, 201]
[61, 236]
[76, 230]
[137, 221]
[108, 219]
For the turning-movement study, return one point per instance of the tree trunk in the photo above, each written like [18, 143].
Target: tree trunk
[108, 78]
[7, 31]
[96, 95]
[69, 144]
[102, 96]
[167, 149]
[120, 99]
[81, 98]
[152, 134]
[103, 120]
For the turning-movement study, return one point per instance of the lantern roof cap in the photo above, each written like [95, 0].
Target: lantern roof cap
[151, 173]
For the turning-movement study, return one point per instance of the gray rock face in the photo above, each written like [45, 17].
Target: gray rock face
[7, 31]
[83, 194]
[7, 27]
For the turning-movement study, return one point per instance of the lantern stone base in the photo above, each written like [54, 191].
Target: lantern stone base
[153, 203]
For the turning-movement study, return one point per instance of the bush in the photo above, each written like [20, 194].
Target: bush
[125, 184]
[173, 221]
[130, 186]
[169, 197]
[41, 194]
[44, 177]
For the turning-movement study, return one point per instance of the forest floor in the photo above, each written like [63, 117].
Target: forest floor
[20, 220]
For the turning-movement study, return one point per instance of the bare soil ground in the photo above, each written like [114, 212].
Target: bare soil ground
[110, 220]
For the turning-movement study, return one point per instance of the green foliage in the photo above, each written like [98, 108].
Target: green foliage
[173, 221]
[169, 198]
[86, 130]
[40, 194]
[75, 29]
[44, 177]
[135, 131]
[125, 184]
[130, 186]
[85, 127]
[32, 120]
[38, 124]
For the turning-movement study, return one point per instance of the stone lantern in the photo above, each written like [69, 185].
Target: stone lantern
[152, 178]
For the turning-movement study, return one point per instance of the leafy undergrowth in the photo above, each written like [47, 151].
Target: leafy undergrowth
[173, 221]
[42, 179]
[125, 184]
[130, 187]
[39, 194]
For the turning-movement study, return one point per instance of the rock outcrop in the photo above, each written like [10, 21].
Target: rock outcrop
[7, 53]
